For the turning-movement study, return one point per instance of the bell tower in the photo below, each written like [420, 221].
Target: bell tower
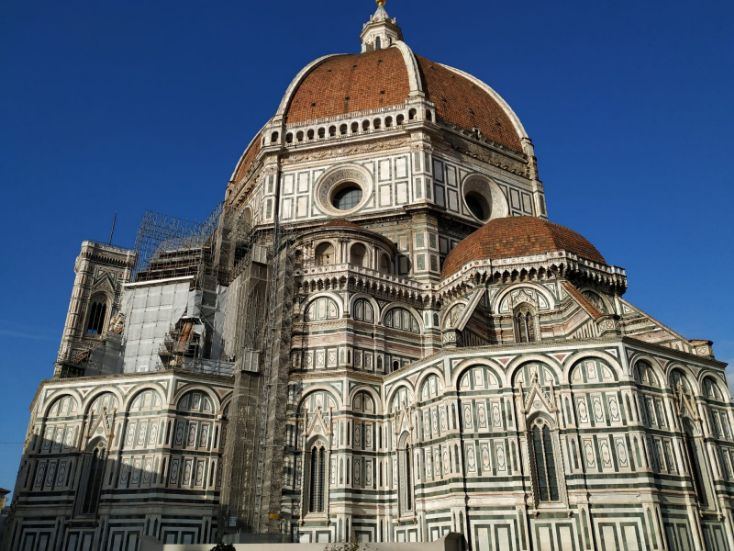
[101, 270]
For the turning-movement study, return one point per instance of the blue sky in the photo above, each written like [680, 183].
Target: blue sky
[120, 107]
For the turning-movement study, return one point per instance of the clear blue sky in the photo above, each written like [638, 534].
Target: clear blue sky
[125, 106]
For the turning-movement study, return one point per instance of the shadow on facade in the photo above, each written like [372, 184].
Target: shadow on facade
[136, 476]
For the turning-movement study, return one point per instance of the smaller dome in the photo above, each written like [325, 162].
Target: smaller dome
[518, 236]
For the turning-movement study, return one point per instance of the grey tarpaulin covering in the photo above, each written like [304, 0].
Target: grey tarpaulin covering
[151, 309]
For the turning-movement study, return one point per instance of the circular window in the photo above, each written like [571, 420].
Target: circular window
[477, 205]
[343, 190]
[484, 199]
[346, 196]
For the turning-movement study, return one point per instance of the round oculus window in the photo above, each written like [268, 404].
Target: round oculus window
[346, 196]
[478, 205]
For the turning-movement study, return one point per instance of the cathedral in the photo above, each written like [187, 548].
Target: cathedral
[377, 336]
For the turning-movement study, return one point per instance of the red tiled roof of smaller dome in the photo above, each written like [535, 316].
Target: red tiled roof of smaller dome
[518, 236]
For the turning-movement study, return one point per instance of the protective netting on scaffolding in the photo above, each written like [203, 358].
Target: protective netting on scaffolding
[168, 246]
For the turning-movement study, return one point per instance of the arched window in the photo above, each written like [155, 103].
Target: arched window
[405, 474]
[544, 463]
[524, 318]
[363, 403]
[362, 310]
[65, 406]
[645, 375]
[431, 388]
[324, 254]
[196, 401]
[400, 318]
[378, 43]
[94, 477]
[97, 315]
[317, 478]
[358, 255]
[322, 308]
[711, 390]
[385, 264]
[679, 382]
[695, 458]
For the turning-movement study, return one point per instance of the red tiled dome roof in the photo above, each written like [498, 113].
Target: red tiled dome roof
[517, 236]
[248, 158]
[338, 85]
[460, 102]
[343, 84]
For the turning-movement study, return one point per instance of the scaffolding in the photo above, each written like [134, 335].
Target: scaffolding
[171, 247]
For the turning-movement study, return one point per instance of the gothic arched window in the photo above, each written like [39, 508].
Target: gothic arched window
[544, 463]
[695, 457]
[405, 475]
[317, 478]
[524, 319]
[94, 477]
[97, 315]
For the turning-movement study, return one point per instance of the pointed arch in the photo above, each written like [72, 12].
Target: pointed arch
[496, 303]
[525, 323]
[545, 459]
[406, 476]
[95, 464]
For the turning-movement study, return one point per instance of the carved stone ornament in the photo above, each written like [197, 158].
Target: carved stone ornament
[117, 324]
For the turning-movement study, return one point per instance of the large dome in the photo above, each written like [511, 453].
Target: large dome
[386, 75]
[342, 84]
[518, 236]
